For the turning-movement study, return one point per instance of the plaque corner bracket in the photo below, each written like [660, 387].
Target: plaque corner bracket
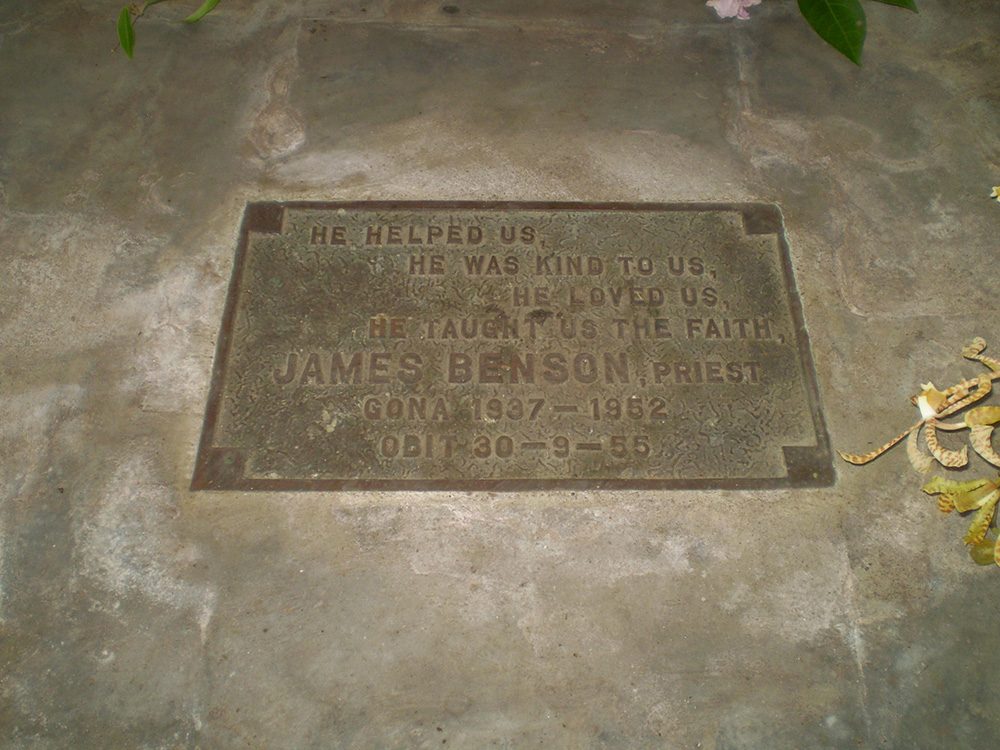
[218, 469]
[762, 218]
[808, 466]
[264, 217]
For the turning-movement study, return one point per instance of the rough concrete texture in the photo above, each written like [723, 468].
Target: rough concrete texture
[135, 613]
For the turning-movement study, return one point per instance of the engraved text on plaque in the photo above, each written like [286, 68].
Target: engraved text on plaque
[512, 346]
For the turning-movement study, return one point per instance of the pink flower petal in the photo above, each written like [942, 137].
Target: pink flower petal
[732, 8]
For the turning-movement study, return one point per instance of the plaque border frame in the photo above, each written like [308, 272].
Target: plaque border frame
[220, 468]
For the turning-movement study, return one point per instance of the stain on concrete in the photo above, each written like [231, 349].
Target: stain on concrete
[276, 130]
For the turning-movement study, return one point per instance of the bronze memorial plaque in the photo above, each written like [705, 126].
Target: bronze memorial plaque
[501, 346]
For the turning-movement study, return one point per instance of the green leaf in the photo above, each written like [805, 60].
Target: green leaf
[909, 4]
[126, 34]
[841, 23]
[202, 11]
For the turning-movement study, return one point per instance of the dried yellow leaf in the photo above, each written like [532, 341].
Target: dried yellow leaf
[919, 460]
[939, 484]
[863, 458]
[983, 415]
[979, 438]
[972, 499]
[949, 458]
[983, 519]
[930, 400]
[984, 553]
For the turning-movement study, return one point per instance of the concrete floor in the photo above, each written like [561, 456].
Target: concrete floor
[137, 614]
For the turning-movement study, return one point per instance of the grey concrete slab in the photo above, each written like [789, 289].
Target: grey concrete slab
[136, 613]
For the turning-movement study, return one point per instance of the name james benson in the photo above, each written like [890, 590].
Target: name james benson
[528, 368]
